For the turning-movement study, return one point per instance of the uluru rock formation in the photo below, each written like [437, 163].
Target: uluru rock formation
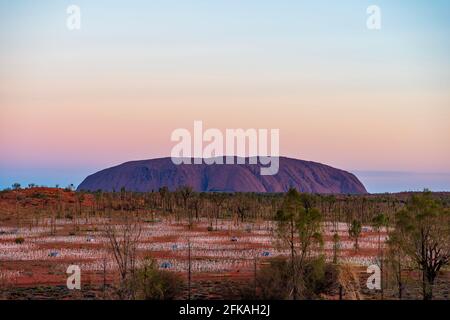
[151, 175]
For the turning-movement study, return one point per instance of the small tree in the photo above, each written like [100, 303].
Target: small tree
[218, 200]
[150, 283]
[336, 247]
[379, 222]
[423, 234]
[242, 206]
[163, 194]
[354, 232]
[299, 227]
[16, 186]
[395, 262]
[123, 241]
[186, 193]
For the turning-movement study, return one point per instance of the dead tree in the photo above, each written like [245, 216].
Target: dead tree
[123, 241]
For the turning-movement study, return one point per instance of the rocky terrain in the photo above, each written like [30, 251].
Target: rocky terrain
[148, 175]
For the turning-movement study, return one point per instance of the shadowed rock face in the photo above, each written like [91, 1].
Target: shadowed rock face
[148, 175]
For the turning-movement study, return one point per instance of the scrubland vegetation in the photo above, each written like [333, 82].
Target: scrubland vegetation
[187, 245]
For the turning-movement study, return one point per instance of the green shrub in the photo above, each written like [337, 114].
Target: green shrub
[150, 283]
[38, 195]
[19, 240]
[274, 280]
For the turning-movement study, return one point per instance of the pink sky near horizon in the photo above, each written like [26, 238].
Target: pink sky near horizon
[351, 132]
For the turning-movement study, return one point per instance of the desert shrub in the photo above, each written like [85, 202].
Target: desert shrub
[19, 240]
[210, 229]
[150, 283]
[319, 277]
[274, 280]
[38, 195]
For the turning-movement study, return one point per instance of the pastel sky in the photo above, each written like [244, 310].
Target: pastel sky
[376, 103]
